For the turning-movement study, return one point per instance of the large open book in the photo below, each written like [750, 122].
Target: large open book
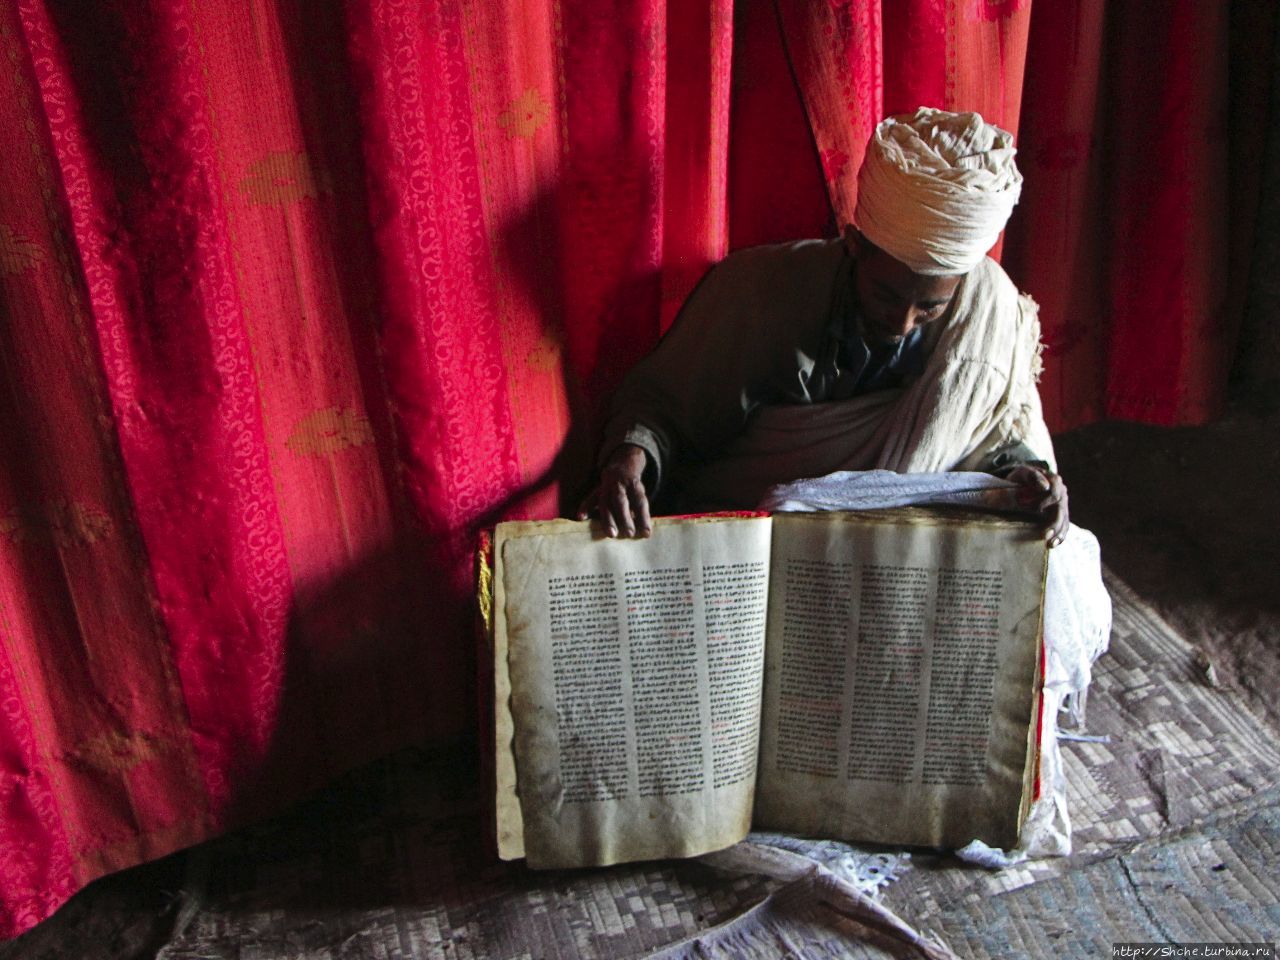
[862, 676]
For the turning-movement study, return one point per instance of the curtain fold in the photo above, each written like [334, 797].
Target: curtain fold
[295, 297]
[1141, 146]
[1061, 222]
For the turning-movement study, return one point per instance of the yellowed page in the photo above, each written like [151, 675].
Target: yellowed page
[635, 671]
[510, 821]
[900, 677]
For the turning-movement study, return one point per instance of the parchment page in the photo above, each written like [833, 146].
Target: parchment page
[635, 671]
[900, 677]
[509, 819]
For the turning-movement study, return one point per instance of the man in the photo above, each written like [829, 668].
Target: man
[900, 346]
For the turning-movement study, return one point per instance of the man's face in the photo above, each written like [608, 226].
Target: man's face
[894, 300]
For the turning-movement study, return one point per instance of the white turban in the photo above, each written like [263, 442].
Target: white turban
[936, 189]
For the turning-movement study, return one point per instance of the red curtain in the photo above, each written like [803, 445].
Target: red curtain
[1140, 146]
[297, 296]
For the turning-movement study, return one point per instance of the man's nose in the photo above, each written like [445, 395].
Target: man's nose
[906, 320]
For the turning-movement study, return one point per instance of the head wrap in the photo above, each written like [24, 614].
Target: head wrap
[936, 189]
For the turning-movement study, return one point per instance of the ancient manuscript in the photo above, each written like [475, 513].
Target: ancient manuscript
[865, 676]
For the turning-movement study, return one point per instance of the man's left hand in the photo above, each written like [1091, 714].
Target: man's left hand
[1044, 494]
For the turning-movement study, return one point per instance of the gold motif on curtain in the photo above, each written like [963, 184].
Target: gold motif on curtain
[17, 254]
[328, 431]
[527, 115]
[59, 522]
[282, 177]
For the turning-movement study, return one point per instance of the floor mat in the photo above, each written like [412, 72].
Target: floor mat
[1175, 829]
[1213, 884]
[391, 863]
[1181, 752]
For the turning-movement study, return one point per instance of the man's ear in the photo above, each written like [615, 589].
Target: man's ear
[856, 242]
[852, 238]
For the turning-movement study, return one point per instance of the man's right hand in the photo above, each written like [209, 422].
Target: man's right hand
[620, 499]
